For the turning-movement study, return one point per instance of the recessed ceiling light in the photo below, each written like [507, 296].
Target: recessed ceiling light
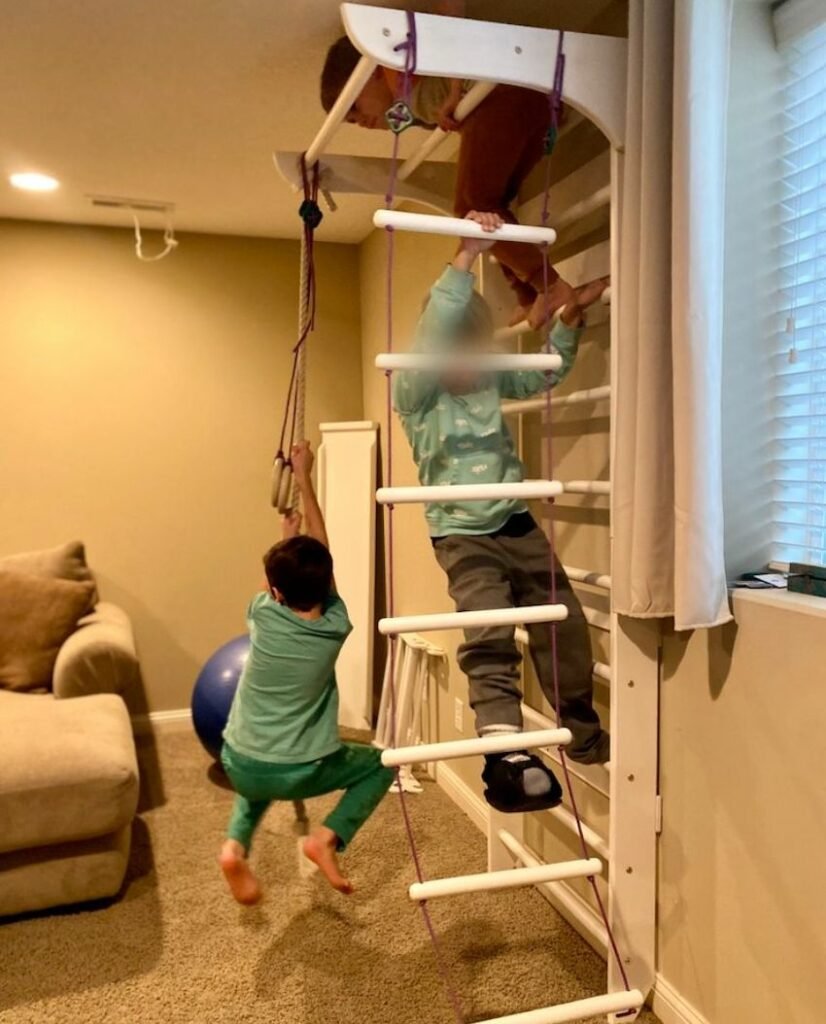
[31, 181]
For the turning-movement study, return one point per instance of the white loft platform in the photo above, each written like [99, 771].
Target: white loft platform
[595, 78]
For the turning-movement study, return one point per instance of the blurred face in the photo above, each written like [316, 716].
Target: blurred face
[373, 100]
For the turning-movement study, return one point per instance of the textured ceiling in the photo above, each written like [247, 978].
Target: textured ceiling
[184, 102]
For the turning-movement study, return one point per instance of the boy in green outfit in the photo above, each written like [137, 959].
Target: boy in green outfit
[281, 741]
[493, 552]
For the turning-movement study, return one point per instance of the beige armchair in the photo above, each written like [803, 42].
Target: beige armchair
[69, 786]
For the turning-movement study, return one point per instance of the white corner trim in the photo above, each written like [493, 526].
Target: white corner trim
[155, 719]
[666, 1001]
[463, 796]
[671, 1008]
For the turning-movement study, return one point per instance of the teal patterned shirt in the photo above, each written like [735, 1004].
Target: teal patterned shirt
[463, 439]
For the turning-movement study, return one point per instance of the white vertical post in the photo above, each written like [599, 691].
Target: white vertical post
[634, 730]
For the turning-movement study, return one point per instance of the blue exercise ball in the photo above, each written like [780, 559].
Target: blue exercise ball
[214, 689]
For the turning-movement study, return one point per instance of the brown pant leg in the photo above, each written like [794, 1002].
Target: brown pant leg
[501, 142]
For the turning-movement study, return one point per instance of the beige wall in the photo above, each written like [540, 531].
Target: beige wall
[742, 903]
[139, 413]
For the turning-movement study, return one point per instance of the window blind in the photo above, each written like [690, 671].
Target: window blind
[799, 425]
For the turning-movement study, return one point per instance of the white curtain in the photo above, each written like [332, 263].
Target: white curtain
[667, 476]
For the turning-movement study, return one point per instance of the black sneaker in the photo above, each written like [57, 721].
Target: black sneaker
[504, 776]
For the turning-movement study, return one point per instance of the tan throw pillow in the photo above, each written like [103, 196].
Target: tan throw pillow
[36, 615]
[64, 562]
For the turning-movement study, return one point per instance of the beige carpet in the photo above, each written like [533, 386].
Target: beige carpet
[175, 949]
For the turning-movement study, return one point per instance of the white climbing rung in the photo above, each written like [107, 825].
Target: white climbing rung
[490, 881]
[459, 227]
[452, 362]
[340, 109]
[466, 105]
[605, 298]
[602, 671]
[526, 490]
[596, 201]
[500, 743]
[469, 620]
[587, 487]
[540, 404]
[597, 619]
[593, 839]
[513, 331]
[582, 1009]
[594, 579]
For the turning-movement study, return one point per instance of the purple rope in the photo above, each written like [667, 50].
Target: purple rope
[555, 101]
[409, 47]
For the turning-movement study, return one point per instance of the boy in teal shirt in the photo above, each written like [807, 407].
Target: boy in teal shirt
[494, 554]
[281, 741]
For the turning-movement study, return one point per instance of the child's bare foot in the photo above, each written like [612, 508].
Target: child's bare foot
[320, 847]
[241, 881]
[559, 293]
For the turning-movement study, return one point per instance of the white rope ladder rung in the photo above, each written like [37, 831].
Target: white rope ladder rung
[458, 227]
[527, 489]
[451, 362]
[468, 620]
[500, 743]
[492, 881]
[582, 1009]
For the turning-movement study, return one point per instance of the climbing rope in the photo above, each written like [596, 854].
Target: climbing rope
[283, 493]
[555, 104]
[399, 117]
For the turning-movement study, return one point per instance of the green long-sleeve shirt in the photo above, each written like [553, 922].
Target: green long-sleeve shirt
[463, 439]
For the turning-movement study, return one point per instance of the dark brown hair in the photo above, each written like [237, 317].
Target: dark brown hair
[339, 64]
[301, 570]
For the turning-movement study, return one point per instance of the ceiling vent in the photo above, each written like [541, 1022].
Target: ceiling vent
[137, 205]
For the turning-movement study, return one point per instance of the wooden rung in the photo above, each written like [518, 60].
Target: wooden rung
[469, 620]
[459, 227]
[589, 576]
[582, 1009]
[491, 881]
[463, 362]
[587, 486]
[539, 404]
[599, 620]
[602, 671]
[527, 489]
[500, 743]
[593, 839]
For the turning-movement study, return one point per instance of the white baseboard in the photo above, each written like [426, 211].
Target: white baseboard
[666, 1002]
[158, 719]
[670, 1007]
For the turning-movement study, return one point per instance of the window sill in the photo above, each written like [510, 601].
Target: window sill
[784, 600]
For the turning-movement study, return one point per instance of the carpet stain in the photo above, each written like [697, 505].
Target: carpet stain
[175, 949]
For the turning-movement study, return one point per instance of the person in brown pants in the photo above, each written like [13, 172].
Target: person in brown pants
[501, 142]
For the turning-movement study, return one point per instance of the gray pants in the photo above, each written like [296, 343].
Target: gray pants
[497, 571]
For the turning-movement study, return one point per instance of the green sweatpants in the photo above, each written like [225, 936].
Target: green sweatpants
[355, 768]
